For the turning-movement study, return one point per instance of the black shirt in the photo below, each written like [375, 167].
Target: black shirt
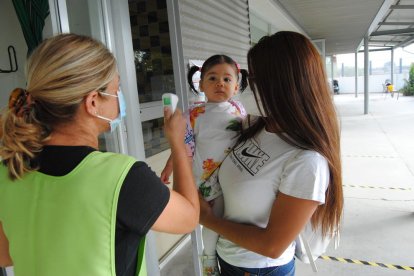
[142, 199]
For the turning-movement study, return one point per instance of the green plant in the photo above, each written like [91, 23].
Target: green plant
[408, 88]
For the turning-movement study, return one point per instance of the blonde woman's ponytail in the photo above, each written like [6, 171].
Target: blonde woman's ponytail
[22, 134]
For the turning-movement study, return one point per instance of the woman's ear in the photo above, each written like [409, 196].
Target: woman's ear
[91, 103]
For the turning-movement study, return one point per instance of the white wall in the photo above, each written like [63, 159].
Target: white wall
[11, 34]
[347, 84]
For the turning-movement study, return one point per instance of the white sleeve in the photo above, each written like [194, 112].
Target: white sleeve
[306, 176]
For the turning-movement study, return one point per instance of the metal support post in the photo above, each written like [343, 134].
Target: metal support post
[366, 77]
[197, 246]
[392, 67]
[356, 74]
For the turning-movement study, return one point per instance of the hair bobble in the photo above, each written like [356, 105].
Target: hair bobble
[20, 100]
[238, 67]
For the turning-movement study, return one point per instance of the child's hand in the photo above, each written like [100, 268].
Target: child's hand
[166, 173]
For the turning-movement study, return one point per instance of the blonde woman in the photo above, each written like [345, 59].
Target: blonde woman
[65, 207]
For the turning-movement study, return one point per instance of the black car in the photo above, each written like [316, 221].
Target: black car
[335, 86]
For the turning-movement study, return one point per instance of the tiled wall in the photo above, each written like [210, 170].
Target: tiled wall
[152, 49]
[153, 62]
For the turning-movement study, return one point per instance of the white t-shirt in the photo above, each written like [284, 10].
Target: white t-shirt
[250, 178]
[212, 130]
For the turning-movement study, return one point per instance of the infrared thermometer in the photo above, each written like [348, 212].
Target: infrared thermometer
[169, 100]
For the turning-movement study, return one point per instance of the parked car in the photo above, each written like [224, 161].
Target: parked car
[335, 86]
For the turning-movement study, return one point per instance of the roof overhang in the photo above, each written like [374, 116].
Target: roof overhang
[344, 24]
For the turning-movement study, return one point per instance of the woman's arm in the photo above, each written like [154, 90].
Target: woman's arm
[182, 211]
[5, 259]
[288, 217]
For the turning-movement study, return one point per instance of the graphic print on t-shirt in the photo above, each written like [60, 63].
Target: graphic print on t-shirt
[250, 156]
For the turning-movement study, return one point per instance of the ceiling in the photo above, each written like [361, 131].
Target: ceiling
[344, 23]
[396, 29]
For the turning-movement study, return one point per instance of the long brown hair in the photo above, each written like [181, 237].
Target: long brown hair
[289, 77]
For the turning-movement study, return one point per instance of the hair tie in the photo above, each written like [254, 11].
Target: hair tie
[199, 68]
[238, 67]
[20, 100]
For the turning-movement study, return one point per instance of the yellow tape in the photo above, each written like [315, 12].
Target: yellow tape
[352, 261]
[390, 266]
[382, 188]
[357, 262]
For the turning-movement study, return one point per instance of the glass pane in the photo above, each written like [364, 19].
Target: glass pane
[86, 18]
[152, 49]
[258, 28]
[154, 138]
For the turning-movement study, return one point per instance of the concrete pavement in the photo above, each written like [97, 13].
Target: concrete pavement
[378, 178]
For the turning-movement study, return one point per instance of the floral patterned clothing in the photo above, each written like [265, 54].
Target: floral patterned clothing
[212, 129]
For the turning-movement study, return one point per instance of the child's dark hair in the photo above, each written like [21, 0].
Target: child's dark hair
[212, 61]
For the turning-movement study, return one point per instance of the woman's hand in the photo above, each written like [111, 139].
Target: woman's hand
[174, 126]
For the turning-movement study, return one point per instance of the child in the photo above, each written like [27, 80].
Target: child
[212, 129]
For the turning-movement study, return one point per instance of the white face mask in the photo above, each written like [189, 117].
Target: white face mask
[114, 123]
[249, 102]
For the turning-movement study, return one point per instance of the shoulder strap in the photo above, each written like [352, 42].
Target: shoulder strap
[303, 241]
[239, 107]
[300, 238]
[308, 252]
[213, 171]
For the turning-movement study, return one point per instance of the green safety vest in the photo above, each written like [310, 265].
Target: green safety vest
[65, 225]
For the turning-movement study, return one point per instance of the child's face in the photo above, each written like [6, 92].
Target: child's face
[219, 83]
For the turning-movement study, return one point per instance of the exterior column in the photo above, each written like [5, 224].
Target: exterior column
[392, 67]
[366, 77]
[356, 74]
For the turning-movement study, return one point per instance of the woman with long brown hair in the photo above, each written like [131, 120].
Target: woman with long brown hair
[286, 168]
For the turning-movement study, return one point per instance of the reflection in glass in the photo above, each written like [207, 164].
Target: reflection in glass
[153, 65]
[154, 138]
